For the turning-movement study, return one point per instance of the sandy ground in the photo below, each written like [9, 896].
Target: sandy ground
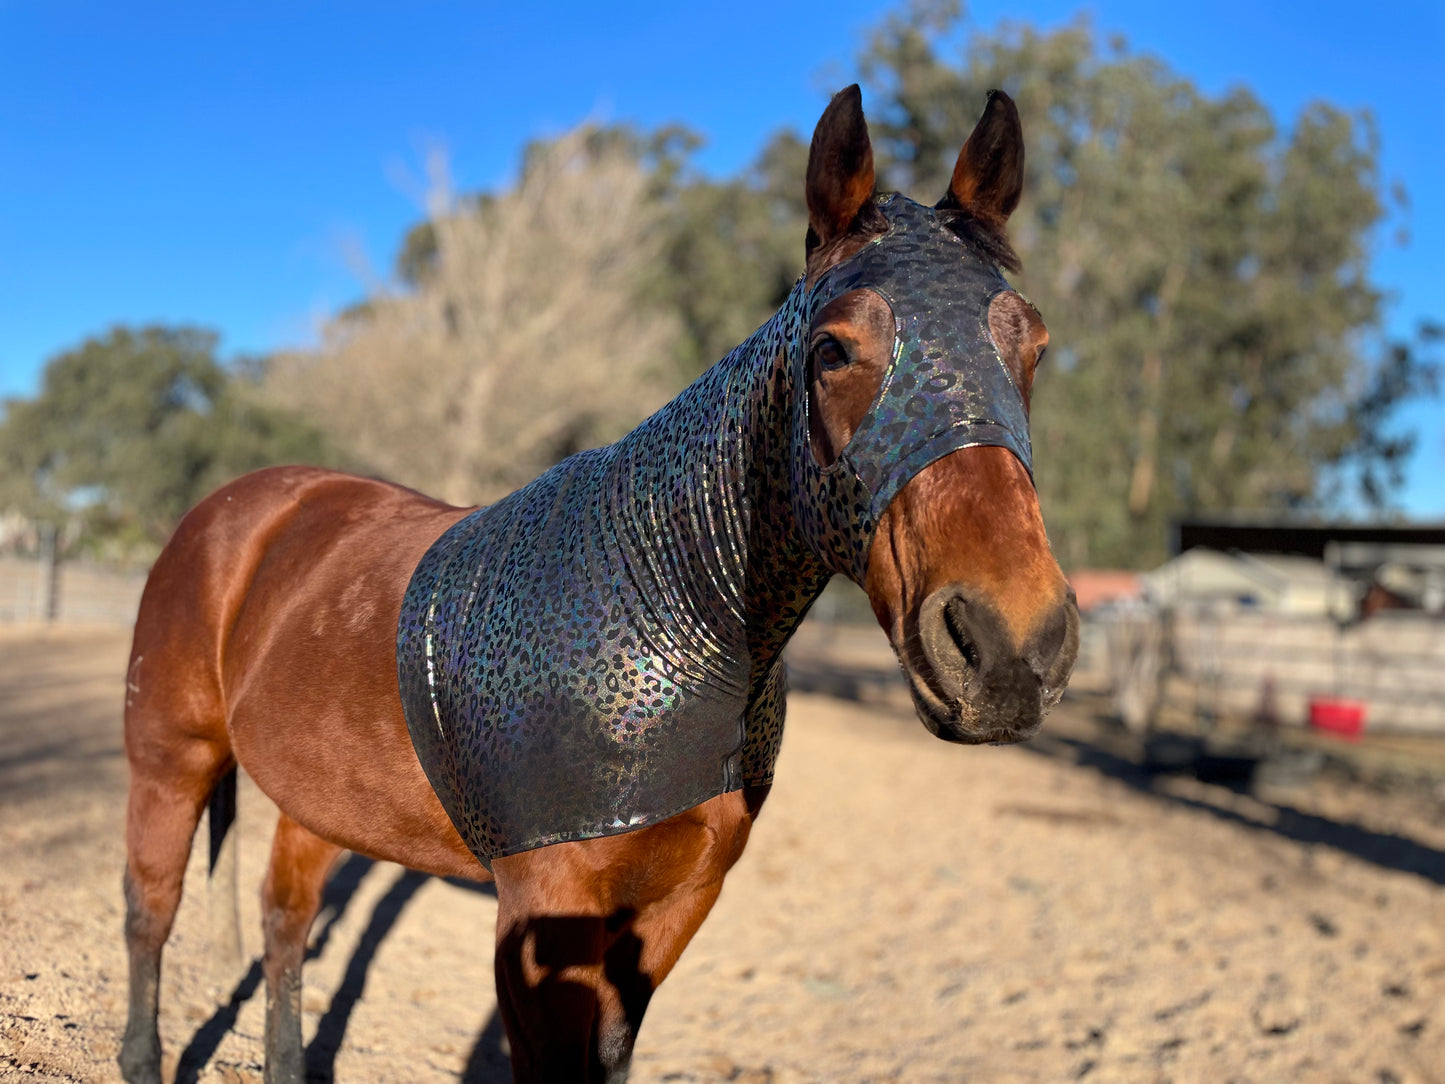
[907, 911]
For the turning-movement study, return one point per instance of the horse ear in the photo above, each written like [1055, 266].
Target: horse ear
[840, 168]
[989, 175]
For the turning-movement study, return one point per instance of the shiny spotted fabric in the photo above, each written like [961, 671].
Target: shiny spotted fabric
[945, 389]
[602, 649]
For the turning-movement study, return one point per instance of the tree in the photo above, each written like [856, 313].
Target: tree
[730, 249]
[518, 334]
[1203, 274]
[734, 249]
[132, 428]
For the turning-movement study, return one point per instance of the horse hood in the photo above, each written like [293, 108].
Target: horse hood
[946, 387]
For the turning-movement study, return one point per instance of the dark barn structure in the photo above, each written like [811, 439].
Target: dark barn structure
[1302, 539]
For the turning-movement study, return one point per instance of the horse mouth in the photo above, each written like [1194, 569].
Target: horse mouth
[967, 720]
[971, 682]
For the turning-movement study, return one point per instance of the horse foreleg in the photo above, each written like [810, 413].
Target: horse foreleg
[290, 899]
[587, 931]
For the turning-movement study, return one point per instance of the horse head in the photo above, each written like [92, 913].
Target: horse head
[913, 364]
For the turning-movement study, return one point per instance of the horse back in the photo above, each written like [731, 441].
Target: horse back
[269, 622]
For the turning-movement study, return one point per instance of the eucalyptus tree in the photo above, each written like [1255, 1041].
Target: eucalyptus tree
[1204, 272]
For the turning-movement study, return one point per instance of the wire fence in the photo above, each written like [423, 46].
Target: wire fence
[1244, 663]
[35, 590]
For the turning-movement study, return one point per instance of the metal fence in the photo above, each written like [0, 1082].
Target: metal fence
[1239, 662]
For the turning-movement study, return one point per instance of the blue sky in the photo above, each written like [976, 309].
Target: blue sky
[214, 163]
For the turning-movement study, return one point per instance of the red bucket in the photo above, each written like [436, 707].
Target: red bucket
[1343, 717]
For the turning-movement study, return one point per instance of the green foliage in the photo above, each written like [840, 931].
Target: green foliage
[1203, 276]
[134, 427]
[734, 250]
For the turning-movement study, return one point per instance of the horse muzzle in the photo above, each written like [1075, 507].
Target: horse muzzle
[971, 683]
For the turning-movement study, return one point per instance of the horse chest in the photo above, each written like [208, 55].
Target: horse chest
[559, 684]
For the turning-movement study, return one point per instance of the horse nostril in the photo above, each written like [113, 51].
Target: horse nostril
[1049, 641]
[1051, 653]
[970, 653]
[955, 618]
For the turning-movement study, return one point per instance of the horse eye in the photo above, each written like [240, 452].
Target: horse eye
[1039, 357]
[829, 354]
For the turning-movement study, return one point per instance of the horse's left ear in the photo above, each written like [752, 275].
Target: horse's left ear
[989, 176]
[840, 168]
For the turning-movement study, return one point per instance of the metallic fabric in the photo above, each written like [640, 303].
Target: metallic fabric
[602, 649]
[945, 389]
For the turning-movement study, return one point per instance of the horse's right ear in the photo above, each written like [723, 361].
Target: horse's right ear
[840, 168]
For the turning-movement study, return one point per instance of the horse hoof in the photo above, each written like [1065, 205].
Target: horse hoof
[139, 1068]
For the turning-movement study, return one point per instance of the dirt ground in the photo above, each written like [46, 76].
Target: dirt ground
[907, 911]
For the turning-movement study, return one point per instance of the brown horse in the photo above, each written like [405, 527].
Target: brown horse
[267, 638]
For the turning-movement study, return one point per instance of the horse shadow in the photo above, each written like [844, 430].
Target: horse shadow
[1387, 850]
[1142, 769]
[487, 1063]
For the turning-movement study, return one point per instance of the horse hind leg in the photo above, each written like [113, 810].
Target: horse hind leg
[300, 861]
[227, 951]
[170, 784]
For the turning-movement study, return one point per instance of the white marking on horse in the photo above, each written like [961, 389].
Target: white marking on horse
[132, 681]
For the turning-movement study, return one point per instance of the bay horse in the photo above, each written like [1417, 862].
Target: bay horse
[578, 691]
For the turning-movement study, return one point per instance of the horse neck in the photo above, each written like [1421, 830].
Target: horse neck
[710, 473]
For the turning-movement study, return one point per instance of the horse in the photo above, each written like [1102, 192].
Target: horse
[577, 693]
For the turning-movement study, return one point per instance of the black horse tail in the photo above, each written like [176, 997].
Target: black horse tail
[224, 902]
